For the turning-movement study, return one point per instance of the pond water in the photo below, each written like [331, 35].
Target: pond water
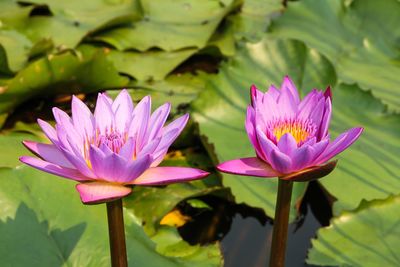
[245, 233]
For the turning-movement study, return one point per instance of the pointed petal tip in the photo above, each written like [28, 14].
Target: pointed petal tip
[328, 92]
[253, 94]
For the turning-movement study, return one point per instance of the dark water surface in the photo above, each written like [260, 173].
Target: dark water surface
[245, 233]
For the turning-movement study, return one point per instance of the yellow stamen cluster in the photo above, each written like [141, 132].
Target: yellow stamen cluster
[297, 129]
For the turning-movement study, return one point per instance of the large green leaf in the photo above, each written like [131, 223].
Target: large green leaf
[150, 65]
[70, 21]
[14, 50]
[370, 166]
[178, 89]
[11, 143]
[170, 25]
[43, 223]
[254, 17]
[360, 38]
[64, 73]
[367, 237]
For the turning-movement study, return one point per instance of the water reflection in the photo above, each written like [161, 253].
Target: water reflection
[245, 233]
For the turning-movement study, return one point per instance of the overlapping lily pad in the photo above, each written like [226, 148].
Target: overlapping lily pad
[360, 38]
[366, 237]
[67, 72]
[43, 223]
[170, 25]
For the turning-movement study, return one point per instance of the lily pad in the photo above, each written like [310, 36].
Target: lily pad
[150, 65]
[70, 21]
[170, 25]
[68, 72]
[366, 237]
[254, 17]
[178, 89]
[36, 232]
[360, 38]
[11, 144]
[14, 51]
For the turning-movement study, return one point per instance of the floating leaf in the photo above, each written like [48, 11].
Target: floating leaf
[178, 89]
[367, 237]
[35, 231]
[362, 49]
[14, 50]
[254, 17]
[170, 25]
[56, 74]
[150, 65]
[70, 21]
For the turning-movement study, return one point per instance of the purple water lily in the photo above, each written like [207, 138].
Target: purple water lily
[290, 135]
[106, 152]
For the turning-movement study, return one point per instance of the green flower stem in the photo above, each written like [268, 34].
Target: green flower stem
[116, 234]
[279, 236]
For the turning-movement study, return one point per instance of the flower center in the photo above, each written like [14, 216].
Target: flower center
[113, 140]
[299, 129]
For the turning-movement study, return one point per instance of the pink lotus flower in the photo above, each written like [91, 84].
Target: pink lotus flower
[290, 136]
[108, 152]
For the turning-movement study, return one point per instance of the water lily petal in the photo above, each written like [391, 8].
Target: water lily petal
[323, 129]
[287, 104]
[167, 175]
[103, 114]
[107, 167]
[250, 129]
[308, 104]
[342, 142]
[140, 122]
[49, 131]
[266, 145]
[163, 146]
[128, 149]
[287, 144]
[135, 169]
[79, 163]
[302, 157]
[100, 192]
[249, 167]
[53, 168]
[49, 153]
[317, 113]
[273, 92]
[255, 96]
[151, 147]
[280, 162]
[288, 85]
[82, 118]
[157, 120]
[123, 109]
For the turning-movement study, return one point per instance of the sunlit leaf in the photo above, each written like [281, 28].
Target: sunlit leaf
[366, 237]
[360, 38]
[170, 25]
[43, 223]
